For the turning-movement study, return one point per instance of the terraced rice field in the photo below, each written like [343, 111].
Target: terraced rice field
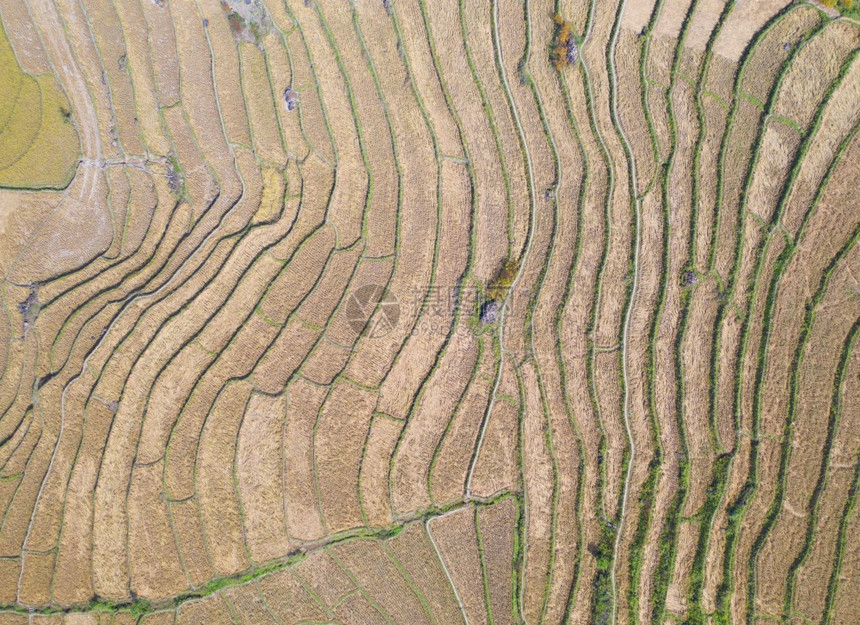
[429, 312]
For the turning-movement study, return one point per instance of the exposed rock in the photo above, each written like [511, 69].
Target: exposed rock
[30, 307]
[688, 278]
[175, 180]
[490, 311]
[572, 52]
[291, 99]
[248, 19]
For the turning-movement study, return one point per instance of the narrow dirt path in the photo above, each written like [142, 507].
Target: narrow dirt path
[625, 333]
[533, 203]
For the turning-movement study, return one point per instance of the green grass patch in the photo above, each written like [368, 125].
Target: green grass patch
[499, 286]
[848, 8]
[604, 554]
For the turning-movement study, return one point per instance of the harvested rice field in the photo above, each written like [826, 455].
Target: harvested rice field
[429, 312]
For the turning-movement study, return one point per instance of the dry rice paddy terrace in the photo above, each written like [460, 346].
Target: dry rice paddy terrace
[429, 312]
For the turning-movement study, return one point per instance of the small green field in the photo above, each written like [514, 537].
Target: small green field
[39, 145]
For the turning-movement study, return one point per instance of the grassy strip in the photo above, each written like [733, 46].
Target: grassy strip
[472, 378]
[528, 329]
[737, 509]
[358, 129]
[745, 59]
[662, 578]
[361, 589]
[704, 517]
[666, 556]
[716, 490]
[426, 304]
[139, 606]
[628, 457]
[491, 120]
[173, 315]
[645, 500]
[519, 550]
[785, 454]
[814, 502]
[601, 583]
[529, 320]
[603, 598]
[832, 426]
[847, 511]
[510, 263]
[559, 345]
[410, 581]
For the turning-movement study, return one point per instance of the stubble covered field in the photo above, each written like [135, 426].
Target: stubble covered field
[429, 312]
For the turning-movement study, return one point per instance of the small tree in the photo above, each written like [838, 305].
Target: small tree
[563, 43]
[497, 290]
